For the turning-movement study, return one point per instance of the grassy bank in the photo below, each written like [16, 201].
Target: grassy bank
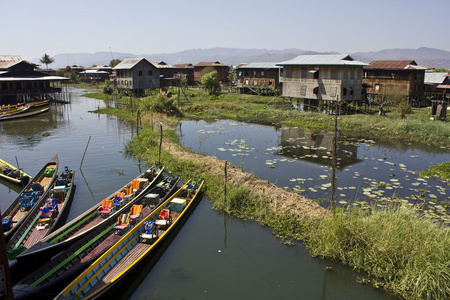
[416, 128]
[397, 248]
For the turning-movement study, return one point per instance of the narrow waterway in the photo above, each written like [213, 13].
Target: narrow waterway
[213, 256]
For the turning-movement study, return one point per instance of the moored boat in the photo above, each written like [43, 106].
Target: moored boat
[64, 267]
[106, 276]
[29, 113]
[13, 174]
[33, 192]
[85, 223]
[46, 216]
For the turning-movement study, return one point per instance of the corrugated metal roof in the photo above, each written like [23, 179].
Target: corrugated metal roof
[209, 64]
[259, 65]
[391, 64]
[161, 64]
[334, 59]
[129, 63]
[35, 78]
[9, 58]
[434, 77]
[94, 72]
[183, 66]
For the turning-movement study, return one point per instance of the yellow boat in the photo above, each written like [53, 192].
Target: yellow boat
[13, 174]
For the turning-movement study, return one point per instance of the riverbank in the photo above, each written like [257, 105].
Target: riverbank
[397, 249]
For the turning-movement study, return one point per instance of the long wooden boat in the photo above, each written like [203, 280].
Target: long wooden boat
[85, 223]
[17, 110]
[45, 217]
[107, 274]
[9, 107]
[50, 278]
[13, 174]
[29, 113]
[30, 196]
[40, 103]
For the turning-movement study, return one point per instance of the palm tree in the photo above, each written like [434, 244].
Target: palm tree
[47, 60]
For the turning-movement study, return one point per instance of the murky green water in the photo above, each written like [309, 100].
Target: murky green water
[213, 256]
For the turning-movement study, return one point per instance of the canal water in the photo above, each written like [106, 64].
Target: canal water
[213, 256]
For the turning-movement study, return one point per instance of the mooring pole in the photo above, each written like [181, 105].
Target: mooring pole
[160, 143]
[85, 152]
[225, 185]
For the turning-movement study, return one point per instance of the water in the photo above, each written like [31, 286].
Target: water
[301, 160]
[214, 256]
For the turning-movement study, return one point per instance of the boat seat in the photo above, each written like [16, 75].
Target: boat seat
[118, 198]
[136, 212]
[106, 208]
[150, 232]
[123, 223]
[164, 218]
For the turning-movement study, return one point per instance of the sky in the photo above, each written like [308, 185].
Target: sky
[33, 28]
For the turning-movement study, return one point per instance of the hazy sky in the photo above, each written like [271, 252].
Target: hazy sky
[31, 28]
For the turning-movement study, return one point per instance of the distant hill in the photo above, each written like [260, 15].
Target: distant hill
[428, 57]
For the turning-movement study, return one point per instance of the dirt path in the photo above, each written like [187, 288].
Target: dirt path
[280, 198]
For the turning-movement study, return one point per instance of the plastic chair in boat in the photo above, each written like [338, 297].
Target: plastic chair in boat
[106, 208]
[123, 223]
[150, 232]
[27, 200]
[51, 202]
[136, 212]
[118, 198]
[46, 216]
[164, 218]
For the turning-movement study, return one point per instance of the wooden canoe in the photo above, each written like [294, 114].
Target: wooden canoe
[29, 113]
[85, 223]
[13, 174]
[29, 197]
[50, 278]
[35, 227]
[107, 274]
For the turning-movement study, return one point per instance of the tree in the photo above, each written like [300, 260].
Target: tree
[47, 60]
[114, 62]
[404, 108]
[108, 89]
[441, 70]
[211, 82]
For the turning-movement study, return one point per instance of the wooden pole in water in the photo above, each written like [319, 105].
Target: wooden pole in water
[85, 152]
[6, 291]
[160, 143]
[334, 162]
[225, 185]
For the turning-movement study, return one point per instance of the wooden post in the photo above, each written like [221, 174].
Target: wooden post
[160, 143]
[85, 151]
[138, 119]
[334, 162]
[225, 185]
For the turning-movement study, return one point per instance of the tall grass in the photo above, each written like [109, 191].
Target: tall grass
[398, 249]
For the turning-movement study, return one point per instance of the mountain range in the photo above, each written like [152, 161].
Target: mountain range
[427, 57]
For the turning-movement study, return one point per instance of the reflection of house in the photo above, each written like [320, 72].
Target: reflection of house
[135, 75]
[316, 147]
[206, 67]
[260, 75]
[181, 71]
[19, 82]
[314, 78]
[395, 78]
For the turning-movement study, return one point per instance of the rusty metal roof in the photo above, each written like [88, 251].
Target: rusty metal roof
[183, 66]
[129, 63]
[210, 64]
[332, 60]
[161, 64]
[391, 64]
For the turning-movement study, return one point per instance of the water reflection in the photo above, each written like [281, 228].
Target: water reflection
[315, 147]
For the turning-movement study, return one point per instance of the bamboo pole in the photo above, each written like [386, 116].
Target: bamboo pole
[85, 152]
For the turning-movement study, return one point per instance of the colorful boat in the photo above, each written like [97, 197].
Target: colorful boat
[34, 191]
[45, 217]
[106, 276]
[13, 174]
[85, 223]
[66, 266]
[29, 113]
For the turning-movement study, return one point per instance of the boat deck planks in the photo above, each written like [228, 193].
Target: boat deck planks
[128, 259]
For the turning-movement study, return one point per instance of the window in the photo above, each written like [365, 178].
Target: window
[140, 73]
[240, 73]
[262, 82]
[255, 82]
[262, 73]
[344, 91]
[303, 90]
[254, 73]
[150, 73]
[316, 90]
[246, 81]
[377, 87]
